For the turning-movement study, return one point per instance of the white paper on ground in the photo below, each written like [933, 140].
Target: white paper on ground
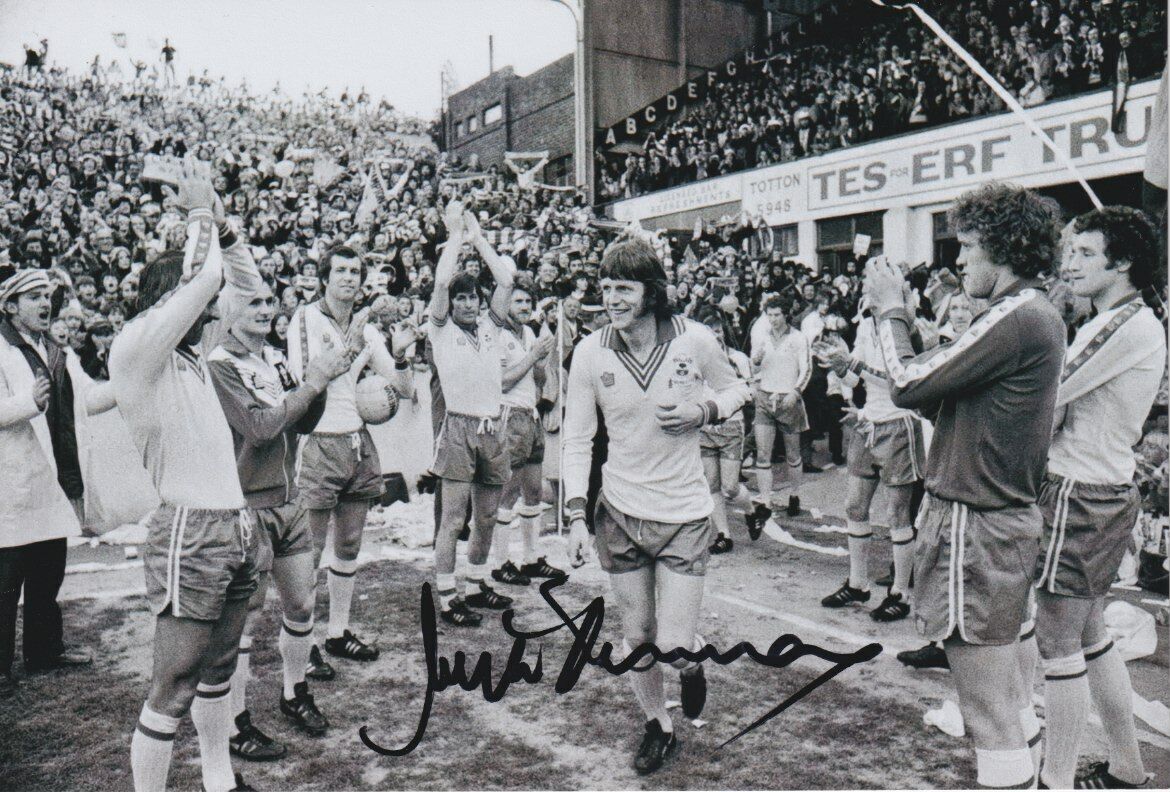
[1155, 713]
[782, 536]
[947, 719]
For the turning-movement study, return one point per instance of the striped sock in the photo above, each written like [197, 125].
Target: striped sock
[211, 713]
[296, 642]
[239, 679]
[341, 574]
[150, 750]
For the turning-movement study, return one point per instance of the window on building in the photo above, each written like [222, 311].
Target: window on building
[835, 239]
[459, 130]
[784, 240]
[472, 124]
[946, 246]
[559, 171]
[493, 114]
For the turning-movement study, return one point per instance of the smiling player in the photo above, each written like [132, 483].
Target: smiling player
[646, 371]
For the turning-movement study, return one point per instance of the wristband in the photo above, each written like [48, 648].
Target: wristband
[576, 514]
[227, 236]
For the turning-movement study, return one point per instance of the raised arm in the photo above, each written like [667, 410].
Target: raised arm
[147, 342]
[502, 270]
[448, 264]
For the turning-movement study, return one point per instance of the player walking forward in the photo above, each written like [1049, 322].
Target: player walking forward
[201, 549]
[721, 445]
[783, 365]
[267, 410]
[338, 471]
[1088, 498]
[886, 448]
[645, 371]
[993, 393]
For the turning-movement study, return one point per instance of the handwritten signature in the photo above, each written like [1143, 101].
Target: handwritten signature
[443, 673]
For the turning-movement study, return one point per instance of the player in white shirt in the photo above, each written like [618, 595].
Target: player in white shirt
[200, 556]
[338, 470]
[648, 372]
[522, 356]
[782, 363]
[471, 456]
[722, 446]
[1089, 501]
[886, 448]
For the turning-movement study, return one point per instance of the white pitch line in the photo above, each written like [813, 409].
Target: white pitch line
[845, 636]
[103, 595]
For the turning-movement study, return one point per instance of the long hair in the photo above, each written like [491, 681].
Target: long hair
[159, 277]
[635, 260]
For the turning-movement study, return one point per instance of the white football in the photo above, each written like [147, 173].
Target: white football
[376, 400]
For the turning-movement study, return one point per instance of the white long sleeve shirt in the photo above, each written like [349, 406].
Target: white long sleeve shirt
[869, 365]
[166, 396]
[1111, 376]
[648, 474]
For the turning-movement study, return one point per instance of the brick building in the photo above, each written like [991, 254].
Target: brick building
[508, 112]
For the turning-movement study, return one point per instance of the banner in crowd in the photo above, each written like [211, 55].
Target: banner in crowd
[927, 167]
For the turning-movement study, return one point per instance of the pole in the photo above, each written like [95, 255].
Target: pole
[491, 56]
[582, 151]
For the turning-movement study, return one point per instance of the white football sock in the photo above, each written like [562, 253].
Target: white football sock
[502, 537]
[296, 642]
[150, 750]
[341, 574]
[239, 679]
[212, 715]
[1112, 694]
[1066, 706]
[903, 563]
[859, 534]
[1003, 769]
[475, 576]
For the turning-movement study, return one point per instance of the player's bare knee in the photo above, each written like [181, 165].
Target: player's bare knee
[1055, 643]
[857, 512]
[902, 535]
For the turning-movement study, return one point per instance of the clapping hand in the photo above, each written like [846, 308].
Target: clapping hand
[884, 285]
[41, 392]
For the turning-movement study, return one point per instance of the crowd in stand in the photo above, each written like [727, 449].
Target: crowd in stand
[838, 83]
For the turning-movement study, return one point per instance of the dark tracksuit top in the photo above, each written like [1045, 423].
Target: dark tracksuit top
[266, 410]
[991, 394]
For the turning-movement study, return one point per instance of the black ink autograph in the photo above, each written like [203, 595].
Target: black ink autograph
[443, 673]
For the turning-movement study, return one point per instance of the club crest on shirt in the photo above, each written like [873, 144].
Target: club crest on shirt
[607, 379]
[683, 369]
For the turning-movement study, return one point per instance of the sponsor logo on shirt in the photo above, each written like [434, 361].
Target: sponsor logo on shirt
[607, 379]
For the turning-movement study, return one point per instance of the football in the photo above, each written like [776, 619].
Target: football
[376, 400]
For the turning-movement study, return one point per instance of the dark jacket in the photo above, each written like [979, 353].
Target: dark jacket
[59, 412]
[266, 410]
